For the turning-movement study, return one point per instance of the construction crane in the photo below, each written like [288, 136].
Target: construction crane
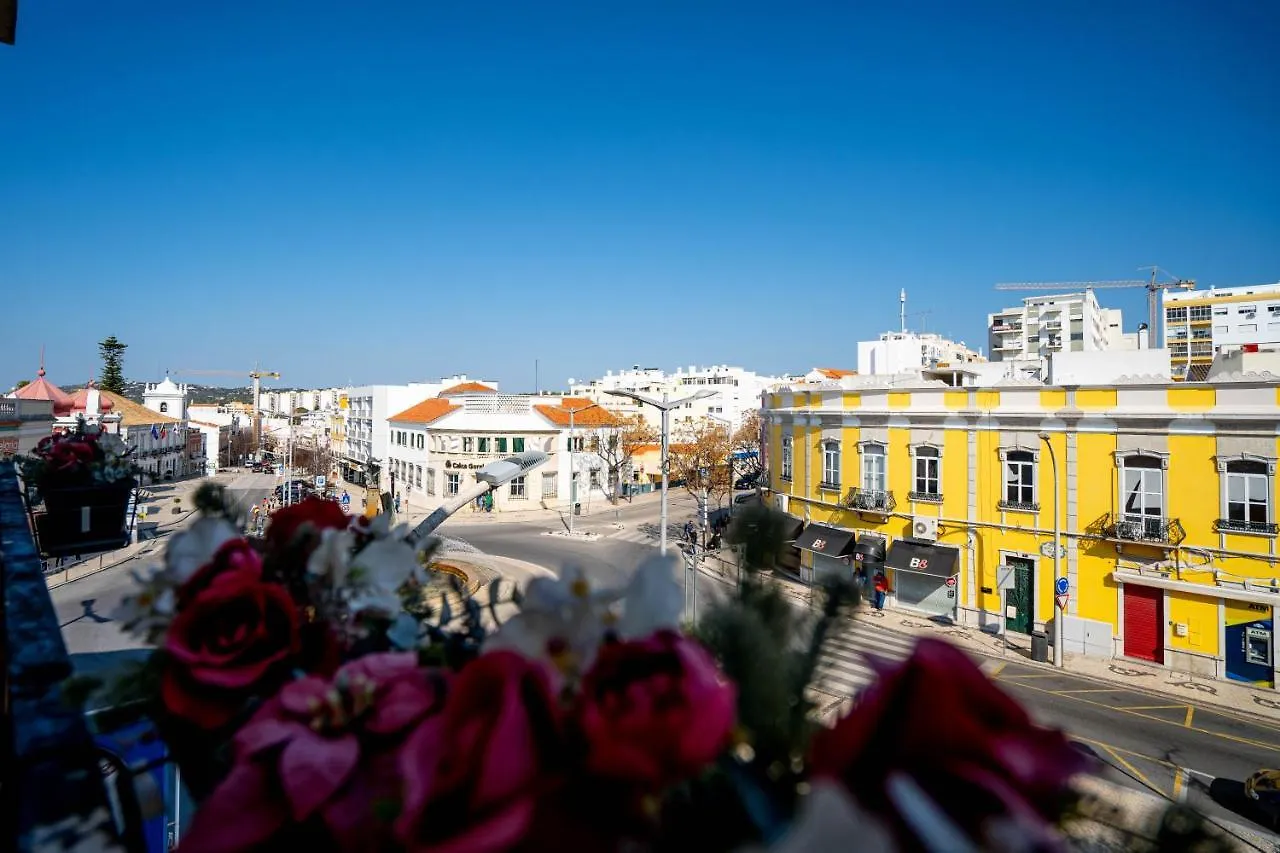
[1152, 285]
[257, 376]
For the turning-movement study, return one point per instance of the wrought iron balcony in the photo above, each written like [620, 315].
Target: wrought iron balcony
[1019, 506]
[870, 500]
[925, 497]
[1237, 525]
[1154, 529]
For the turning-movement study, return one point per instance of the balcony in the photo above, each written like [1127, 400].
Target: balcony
[925, 497]
[1136, 528]
[870, 500]
[1238, 525]
[1019, 506]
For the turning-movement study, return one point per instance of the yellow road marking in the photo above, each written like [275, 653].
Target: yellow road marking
[997, 669]
[1133, 771]
[1271, 747]
[1086, 690]
[1027, 675]
[1190, 711]
[1122, 751]
[1179, 789]
[1152, 707]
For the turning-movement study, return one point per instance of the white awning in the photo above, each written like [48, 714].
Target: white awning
[1251, 596]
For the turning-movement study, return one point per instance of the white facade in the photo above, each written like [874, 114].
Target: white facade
[903, 352]
[166, 398]
[1043, 325]
[438, 445]
[1221, 318]
[217, 443]
[738, 393]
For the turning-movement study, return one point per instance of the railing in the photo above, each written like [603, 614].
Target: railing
[829, 486]
[925, 497]
[870, 500]
[50, 760]
[1154, 529]
[1236, 525]
[1019, 506]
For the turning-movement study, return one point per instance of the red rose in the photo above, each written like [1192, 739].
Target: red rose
[474, 773]
[228, 641]
[237, 555]
[287, 521]
[939, 720]
[655, 711]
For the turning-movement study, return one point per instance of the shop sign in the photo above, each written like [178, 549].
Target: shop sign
[920, 563]
[819, 544]
[451, 465]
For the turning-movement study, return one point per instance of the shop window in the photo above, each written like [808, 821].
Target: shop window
[788, 449]
[452, 483]
[830, 465]
[517, 489]
[875, 467]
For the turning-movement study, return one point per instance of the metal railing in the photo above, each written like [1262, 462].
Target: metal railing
[870, 500]
[1237, 525]
[926, 497]
[1019, 506]
[1154, 529]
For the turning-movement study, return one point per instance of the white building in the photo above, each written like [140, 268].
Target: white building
[1198, 324]
[23, 423]
[903, 352]
[1063, 322]
[217, 444]
[737, 393]
[438, 444]
[364, 428]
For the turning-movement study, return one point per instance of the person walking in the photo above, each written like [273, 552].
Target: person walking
[881, 585]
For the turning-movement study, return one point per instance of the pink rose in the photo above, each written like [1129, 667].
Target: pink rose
[323, 750]
[474, 774]
[655, 711]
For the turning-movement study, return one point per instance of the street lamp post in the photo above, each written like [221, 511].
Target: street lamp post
[728, 425]
[488, 478]
[1057, 551]
[665, 406]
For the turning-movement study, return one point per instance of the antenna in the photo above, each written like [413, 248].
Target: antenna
[902, 309]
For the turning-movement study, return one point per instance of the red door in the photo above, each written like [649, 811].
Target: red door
[1144, 623]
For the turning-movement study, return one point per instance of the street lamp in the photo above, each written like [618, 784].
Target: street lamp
[665, 406]
[1057, 552]
[488, 478]
[573, 472]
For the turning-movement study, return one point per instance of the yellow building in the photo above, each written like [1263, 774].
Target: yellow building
[1165, 495]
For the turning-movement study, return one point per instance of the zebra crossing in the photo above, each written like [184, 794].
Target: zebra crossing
[644, 534]
[844, 671]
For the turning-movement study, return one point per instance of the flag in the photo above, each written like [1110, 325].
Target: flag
[164, 433]
[155, 432]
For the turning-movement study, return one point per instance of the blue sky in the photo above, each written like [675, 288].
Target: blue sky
[394, 191]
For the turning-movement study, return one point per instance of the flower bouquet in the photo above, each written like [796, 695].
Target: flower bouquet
[84, 478]
[317, 697]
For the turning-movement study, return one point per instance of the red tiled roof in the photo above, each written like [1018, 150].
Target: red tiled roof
[468, 388]
[425, 412]
[835, 372]
[80, 400]
[43, 389]
[585, 414]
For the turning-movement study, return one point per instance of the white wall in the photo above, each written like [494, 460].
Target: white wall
[1098, 368]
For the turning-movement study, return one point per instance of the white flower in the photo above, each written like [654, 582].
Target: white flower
[147, 613]
[194, 547]
[331, 560]
[653, 600]
[377, 573]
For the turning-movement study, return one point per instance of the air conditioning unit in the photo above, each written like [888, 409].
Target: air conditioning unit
[924, 528]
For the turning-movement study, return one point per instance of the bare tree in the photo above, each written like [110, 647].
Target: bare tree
[749, 456]
[701, 460]
[617, 445]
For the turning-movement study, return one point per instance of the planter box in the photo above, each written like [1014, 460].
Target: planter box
[83, 520]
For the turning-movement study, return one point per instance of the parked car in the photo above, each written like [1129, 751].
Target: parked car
[747, 481]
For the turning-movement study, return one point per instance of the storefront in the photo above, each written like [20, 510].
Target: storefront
[923, 577]
[825, 552]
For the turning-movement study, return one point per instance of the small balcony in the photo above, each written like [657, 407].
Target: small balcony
[925, 497]
[1239, 525]
[1018, 506]
[1138, 528]
[870, 500]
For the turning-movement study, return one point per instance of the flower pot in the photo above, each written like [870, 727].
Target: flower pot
[84, 519]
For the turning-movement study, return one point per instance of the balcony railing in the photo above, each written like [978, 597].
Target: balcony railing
[1019, 506]
[1236, 525]
[870, 500]
[925, 497]
[1154, 529]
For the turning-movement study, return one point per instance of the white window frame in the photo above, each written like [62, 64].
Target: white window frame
[926, 452]
[830, 464]
[452, 484]
[518, 491]
[1268, 473]
[788, 457]
[1158, 463]
[1034, 464]
[552, 479]
[868, 450]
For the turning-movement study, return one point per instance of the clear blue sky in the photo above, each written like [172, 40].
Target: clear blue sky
[389, 191]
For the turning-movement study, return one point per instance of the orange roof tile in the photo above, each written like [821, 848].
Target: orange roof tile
[425, 412]
[595, 416]
[835, 372]
[468, 388]
[646, 448]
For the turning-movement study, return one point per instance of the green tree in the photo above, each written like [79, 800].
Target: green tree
[22, 383]
[112, 352]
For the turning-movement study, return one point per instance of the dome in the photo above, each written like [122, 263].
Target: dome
[80, 400]
[43, 389]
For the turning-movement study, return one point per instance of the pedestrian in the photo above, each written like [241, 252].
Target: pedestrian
[881, 584]
[690, 532]
[397, 503]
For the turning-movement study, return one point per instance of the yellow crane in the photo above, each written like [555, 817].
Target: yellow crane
[1152, 285]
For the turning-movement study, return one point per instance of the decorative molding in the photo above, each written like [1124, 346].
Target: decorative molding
[1222, 461]
[1121, 455]
[863, 445]
[1004, 452]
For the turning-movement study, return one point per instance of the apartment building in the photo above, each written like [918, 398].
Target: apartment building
[1165, 494]
[904, 352]
[1064, 322]
[1198, 324]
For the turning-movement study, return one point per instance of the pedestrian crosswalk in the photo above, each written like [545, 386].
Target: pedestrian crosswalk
[644, 534]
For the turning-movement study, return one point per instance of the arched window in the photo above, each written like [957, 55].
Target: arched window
[164, 407]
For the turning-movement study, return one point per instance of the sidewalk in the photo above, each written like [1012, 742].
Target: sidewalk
[1131, 675]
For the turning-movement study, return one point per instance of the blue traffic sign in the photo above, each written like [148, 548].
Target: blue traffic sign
[1061, 585]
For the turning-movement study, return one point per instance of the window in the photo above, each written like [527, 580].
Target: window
[549, 489]
[1248, 495]
[431, 481]
[164, 407]
[830, 464]
[928, 469]
[595, 478]
[1142, 489]
[576, 444]
[468, 444]
[787, 448]
[517, 489]
[1248, 327]
[874, 468]
[417, 476]
[421, 441]
[452, 482]
[1198, 312]
[1220, 312]
[517, 445]
[482, 444]
[501, 444]
[1020, 480]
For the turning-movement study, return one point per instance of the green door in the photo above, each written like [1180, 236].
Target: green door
[1018, 601]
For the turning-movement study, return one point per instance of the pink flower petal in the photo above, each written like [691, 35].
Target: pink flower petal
[242, 813]
[296, 696]
[312, 769]
[264, 732]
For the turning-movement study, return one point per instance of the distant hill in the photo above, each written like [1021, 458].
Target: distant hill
[196, 394]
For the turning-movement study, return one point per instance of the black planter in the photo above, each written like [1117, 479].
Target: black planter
[83, 519]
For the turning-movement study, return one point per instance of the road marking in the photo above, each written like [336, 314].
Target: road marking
[1179, 788]
[994, 671]
[1270, 747]
[1180, 705]
[1086, 690]
[1191, 709]
[1029, 675]
[1133, 771]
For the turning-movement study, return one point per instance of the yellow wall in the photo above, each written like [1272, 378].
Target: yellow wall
[1192, 399]
[1200, 614]
[1091, 399]
[1053, 399]
[956, 399]
[900, 399]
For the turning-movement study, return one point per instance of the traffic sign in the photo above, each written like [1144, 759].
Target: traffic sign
[319, 481]
[951, 581]
[1061, 585]
[1062, 601]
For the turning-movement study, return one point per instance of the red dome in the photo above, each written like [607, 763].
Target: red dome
[80, 400]
[43, 389]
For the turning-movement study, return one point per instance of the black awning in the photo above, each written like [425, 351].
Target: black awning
[824, 540]
[791, 527]
[870, 549]
[922, 559]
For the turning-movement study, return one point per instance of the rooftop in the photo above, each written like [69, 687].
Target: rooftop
[426, 412]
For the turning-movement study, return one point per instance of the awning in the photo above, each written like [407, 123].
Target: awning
[791, 527]
[922, 559]
[870, 549]
[745, 454]
[824, 540]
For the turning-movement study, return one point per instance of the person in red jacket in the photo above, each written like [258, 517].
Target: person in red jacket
[880, 583]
